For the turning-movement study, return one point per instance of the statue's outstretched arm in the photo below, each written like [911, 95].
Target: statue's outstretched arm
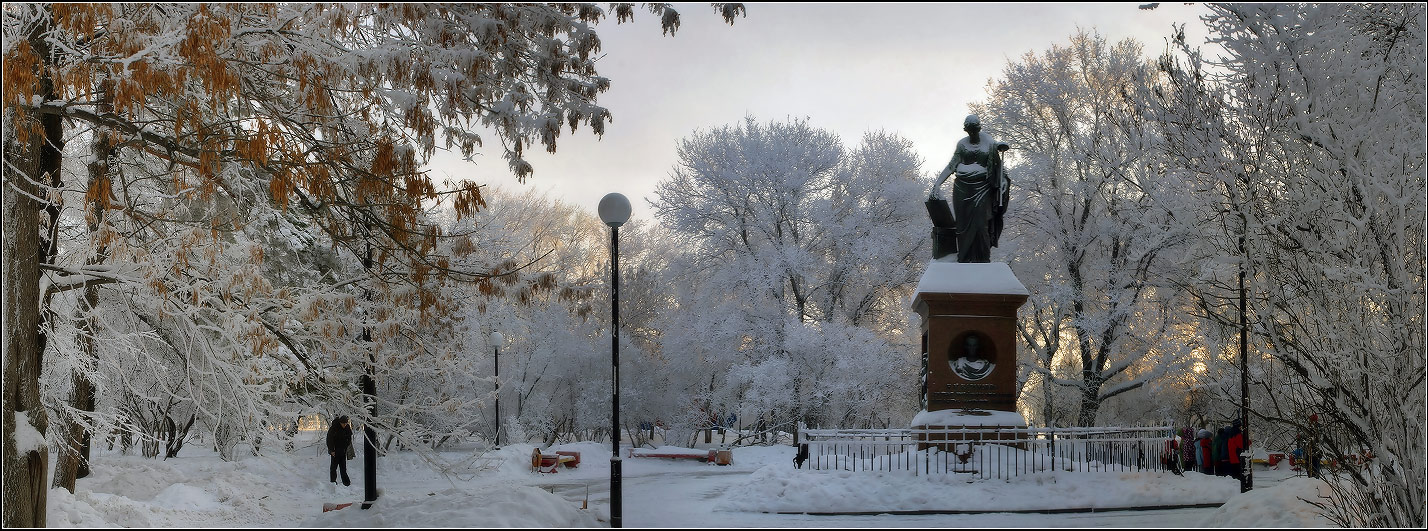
[936, 192]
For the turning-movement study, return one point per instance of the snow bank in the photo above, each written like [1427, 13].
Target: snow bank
[184, 497]
[1281, 505]
[496, 506]
[756, 457]
[93, 510]
[498, 489]
[678, 450]
[781, 488]
[131, 491]
[198, 489]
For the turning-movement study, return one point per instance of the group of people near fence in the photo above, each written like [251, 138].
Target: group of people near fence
[1217, 453]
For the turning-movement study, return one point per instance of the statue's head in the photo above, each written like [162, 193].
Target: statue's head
[973, 346]
[972, 124]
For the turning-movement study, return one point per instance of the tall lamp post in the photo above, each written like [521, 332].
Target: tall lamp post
[1246, 465]
[369, 392]
[497, 341]
[614, 211]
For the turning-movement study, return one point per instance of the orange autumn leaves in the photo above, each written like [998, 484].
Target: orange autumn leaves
[225, 100]
[213, 99]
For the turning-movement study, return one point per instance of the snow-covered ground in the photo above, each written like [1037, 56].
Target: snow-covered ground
[498, 489]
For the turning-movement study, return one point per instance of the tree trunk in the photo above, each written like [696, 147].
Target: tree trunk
[1090, 405]
[26, 454]
[73, 450]
[1090, 368]
[1048, 407]
[709, 413]
[73, 459]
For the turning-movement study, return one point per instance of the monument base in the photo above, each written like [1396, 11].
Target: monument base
[953, 419]
[969, 335]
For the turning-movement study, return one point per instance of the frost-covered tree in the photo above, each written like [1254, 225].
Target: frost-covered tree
[1308, 132]
[322, 112]
[796, 248]
[1086, 174]
[549, 358]
[549, 310]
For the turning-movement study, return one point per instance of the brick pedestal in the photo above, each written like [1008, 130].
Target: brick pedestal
[969, 343]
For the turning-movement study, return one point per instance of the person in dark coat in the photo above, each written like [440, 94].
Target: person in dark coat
[339, 438]
[1222, 458]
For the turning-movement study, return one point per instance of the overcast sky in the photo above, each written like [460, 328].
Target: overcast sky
[910, 69]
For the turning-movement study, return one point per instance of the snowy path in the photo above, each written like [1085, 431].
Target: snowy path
[498, 489]
[670, 494]
[686, 497]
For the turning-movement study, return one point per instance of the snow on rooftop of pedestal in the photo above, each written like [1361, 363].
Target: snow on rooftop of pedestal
[964, 417]
[953, 277]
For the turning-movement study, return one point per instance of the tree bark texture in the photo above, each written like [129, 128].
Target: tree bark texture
[31, 166]
[24, 468]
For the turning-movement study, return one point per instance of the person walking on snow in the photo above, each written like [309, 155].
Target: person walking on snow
[339, 440]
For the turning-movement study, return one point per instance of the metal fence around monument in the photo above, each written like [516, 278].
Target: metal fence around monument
[985, 453]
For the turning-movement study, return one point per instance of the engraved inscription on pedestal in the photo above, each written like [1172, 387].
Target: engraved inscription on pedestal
[967, 393]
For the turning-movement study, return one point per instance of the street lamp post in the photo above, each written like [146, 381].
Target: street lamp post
[614, 211]
[497, 341]
[369, 392]
[1246, 466]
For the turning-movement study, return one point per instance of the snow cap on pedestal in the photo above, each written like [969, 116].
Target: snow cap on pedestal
[968, 418]
[953, 277]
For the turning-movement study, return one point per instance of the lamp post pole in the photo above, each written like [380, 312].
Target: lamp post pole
[614, 211]
[497, 340]
[1246, 466]
[369, 392]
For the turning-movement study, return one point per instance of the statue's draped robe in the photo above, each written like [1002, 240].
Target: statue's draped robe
[976, 196]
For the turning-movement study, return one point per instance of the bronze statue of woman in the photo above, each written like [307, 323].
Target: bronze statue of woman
[979, 194]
